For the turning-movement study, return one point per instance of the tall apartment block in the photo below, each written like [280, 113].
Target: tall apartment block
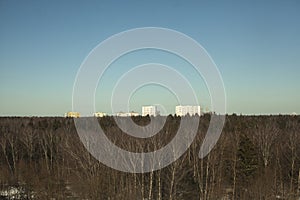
[184, 110]
[149, 110]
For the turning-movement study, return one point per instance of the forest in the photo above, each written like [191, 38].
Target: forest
[256, 157]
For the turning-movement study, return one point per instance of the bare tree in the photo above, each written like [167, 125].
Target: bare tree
[265, 134]
[3, 143]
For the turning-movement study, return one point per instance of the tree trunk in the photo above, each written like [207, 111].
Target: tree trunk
[150, 186]
[172, 182]
[159, 184]
[234, 177]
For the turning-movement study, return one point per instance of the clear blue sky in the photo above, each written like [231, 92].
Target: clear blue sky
[255, 44]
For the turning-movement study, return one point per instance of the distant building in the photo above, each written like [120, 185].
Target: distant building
[72, 114]
[134, 114]
[128, 114]
[100, 114]
[149, 110]
[184, 110]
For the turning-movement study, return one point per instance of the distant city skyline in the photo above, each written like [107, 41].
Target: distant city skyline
[151, 110]
[254, 44]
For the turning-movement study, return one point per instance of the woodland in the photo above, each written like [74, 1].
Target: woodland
[256, 157]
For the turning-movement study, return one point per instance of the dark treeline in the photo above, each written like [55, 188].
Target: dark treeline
[256, 157]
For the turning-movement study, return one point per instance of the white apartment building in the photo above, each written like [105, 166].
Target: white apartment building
[72, 114]
[149, 110]
[99, 114]
[184, 110]
[129, 114]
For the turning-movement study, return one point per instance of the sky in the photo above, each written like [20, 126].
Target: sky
[254, 44]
